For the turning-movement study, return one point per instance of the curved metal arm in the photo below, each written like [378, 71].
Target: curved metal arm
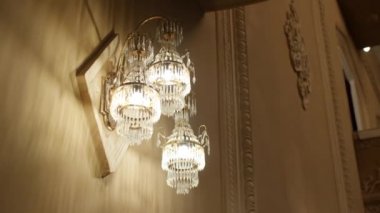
[189, 64]
[104, 105]
[204, 138]
[142, 23]
[120, 59]
[152, 18]
[161, 139]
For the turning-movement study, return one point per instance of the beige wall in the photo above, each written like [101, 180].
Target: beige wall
[47, 158]
[297, 161]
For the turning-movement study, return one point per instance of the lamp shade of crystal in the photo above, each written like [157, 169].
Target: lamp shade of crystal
[183, 151]
[171, 77]
[182, 158]
[134, 134]
[168, 73]
[183, 154]
[135, 104]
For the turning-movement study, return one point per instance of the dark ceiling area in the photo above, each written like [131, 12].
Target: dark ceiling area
[212, 5]
[362, 18]
[188, 12]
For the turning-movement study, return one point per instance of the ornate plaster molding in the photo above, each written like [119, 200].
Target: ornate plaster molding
[298, 56]
[348, 187]
[245, 118]
[238, 181]
[373, 208]
[342, 159]
[371, 184]
[367, 144]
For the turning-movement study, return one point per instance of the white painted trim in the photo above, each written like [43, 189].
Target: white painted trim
[349, 74]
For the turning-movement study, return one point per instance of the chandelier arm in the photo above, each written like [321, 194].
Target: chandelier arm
[120, 59]
[108, 123]
[159, 142]
[103, 110]
[104, 102]
[206, 143]
[202, 128]
[141, 24]
[204, 138]
[189, 64]
[149, 19]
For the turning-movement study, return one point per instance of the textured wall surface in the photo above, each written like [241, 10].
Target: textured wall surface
[297, 162]
[47, 159]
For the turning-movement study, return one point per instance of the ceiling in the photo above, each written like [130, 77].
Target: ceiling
[362, 17]
[211, 5]
[363, 21]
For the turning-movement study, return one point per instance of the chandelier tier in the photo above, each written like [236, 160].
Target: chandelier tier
[169, 73]
[134, 105]
[183, 154]
[134, 134]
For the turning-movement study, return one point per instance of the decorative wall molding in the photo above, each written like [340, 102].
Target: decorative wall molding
[297, 53]
[367, 144]
[246, 142]
[371, 184]
[373, 208]
[227, 114]
[342, 160]
[237, 150]
[348, 187]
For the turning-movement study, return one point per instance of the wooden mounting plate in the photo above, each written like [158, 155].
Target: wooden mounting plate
[108, 145]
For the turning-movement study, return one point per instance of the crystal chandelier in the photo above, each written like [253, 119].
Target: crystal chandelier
[143, 86]
[133, 105]
[169, 73]
[183, 154]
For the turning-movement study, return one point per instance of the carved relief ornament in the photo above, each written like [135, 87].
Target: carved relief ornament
[299, 58]
[371, 188]
[371, 184]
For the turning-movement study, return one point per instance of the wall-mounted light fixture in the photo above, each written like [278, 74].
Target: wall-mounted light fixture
[183, 153]
[142, 86]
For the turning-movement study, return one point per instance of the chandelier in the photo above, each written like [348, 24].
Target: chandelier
[142, 86]
[133, 105]
[170, 73]
[183, 154]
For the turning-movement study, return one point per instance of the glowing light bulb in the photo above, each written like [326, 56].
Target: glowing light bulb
[168, 77]
[367, 49]
[137, 99]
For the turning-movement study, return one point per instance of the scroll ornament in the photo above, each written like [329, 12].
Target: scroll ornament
[299, 58]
